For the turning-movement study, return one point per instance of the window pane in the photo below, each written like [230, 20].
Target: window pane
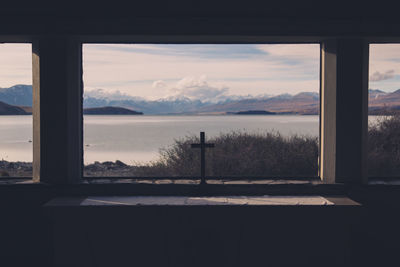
[15, 110]
[384, 107]
[258, 105]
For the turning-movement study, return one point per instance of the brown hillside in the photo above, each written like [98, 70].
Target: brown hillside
[385, 99]
[303, 103]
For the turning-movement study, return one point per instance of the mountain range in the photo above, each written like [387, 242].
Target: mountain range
[381, 103]
[17, 95]
[301, 103]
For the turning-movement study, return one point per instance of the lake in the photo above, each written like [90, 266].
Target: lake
[137, 139]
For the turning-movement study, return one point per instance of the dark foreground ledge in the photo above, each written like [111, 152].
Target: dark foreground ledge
[202, 231]
[21, 191]
[181, 187]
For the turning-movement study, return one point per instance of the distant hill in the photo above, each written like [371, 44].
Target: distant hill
[254, 112]
[375, 93]
[379, 98]
[302, 103]
[6, 109]
[17, 95]
[383, 103]
[26, 109]
[110, 111]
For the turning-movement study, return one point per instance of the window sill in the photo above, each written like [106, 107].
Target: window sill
[384, 181]
[153, 187]
[181, 187]
[265, 200]
[180, 181]
[16, 180]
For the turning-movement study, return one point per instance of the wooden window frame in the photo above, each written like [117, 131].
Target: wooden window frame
[341, 58]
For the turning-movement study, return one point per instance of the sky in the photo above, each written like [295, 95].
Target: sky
[205, 72]
[15, 64]
[384, 67]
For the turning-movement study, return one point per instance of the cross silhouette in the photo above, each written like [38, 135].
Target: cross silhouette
[202, 147]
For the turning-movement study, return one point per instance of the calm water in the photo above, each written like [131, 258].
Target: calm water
[15, 137]
[139, 138]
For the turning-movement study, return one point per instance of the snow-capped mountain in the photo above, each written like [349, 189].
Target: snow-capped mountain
[302, 103]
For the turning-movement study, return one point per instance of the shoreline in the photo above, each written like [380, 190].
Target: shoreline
[15, 169]
[96, 169]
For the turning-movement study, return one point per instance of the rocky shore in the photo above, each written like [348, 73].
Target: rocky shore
[15, 169]
[109, 168]
[97, 169]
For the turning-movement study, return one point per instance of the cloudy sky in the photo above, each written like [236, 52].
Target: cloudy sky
[15, 64]
[384, 67]
[201, 71]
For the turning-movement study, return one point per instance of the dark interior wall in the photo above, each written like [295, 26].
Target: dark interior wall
[352, 10]
[204, 236]
[25, 237]
[200, 236]
[254, 17]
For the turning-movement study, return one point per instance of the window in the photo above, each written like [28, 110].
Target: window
[15, 110]
[384, 108]
[146, 104]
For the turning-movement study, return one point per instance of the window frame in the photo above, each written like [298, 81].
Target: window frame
[70, 49]
[203, 40]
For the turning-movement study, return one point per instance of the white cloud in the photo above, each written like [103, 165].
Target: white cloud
[384, 64]
[192, 82]
[159, 84]
[107, 94]
[378, 76]
[193, 87]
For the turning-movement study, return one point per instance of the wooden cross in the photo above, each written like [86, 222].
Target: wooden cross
[202, 147]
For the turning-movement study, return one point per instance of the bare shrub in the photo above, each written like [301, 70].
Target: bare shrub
[4, 174]
[241, 154]
[384, 147]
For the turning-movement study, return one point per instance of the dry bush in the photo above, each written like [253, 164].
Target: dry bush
[240, 154]
[384, 147]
